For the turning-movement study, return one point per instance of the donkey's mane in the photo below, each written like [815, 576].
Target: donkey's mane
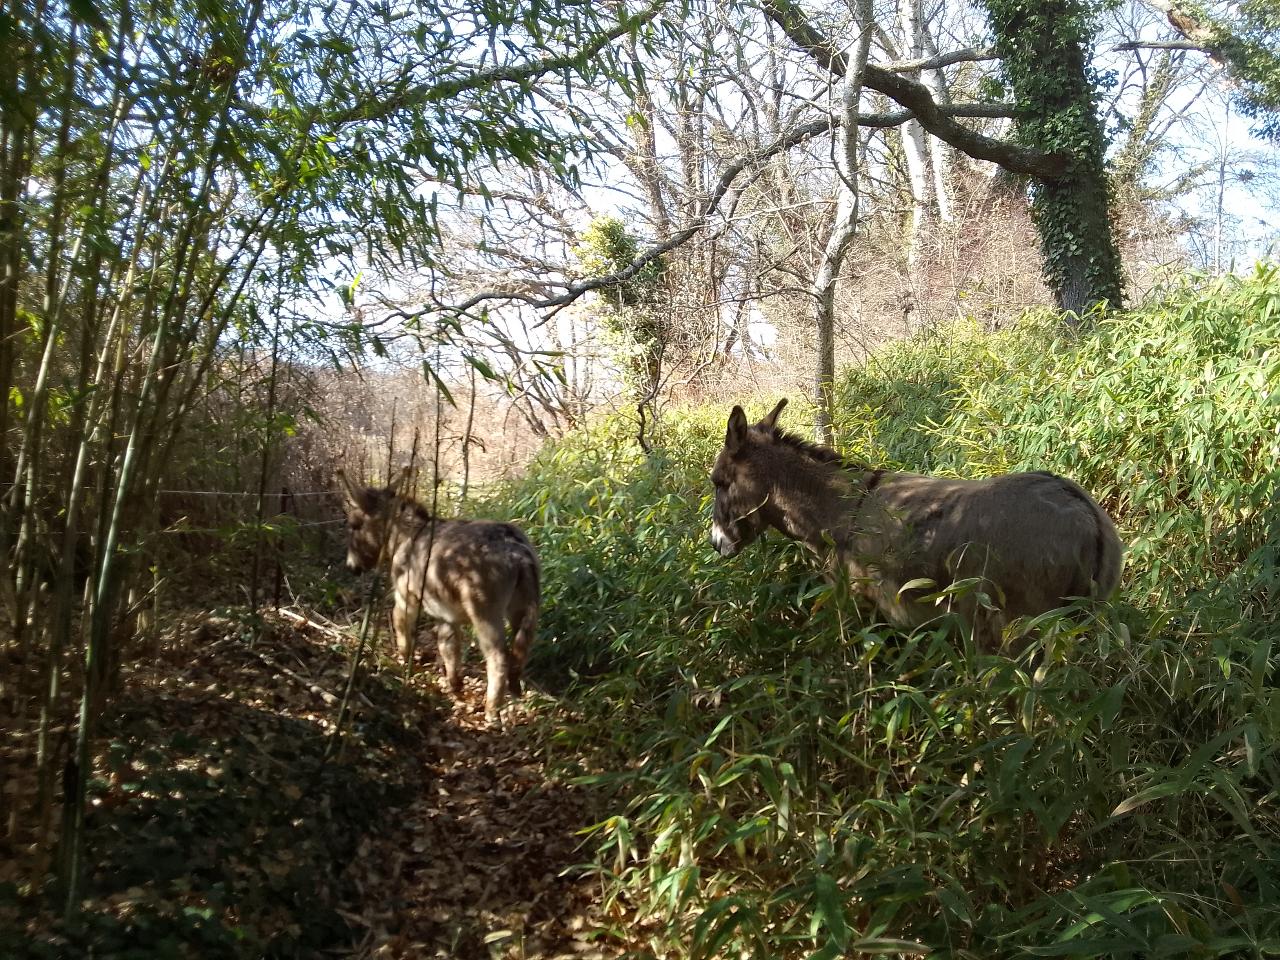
[417, 510]
[400, 504]
[814, 451]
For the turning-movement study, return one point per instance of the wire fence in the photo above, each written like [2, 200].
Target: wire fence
[284, 497]
[278, 494]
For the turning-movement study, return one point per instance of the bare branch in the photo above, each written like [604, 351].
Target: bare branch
[728, 176]
[916, 98]
[723, 185]
[1161, 45]
[385, 103]
[1188, 20]
[937, 62]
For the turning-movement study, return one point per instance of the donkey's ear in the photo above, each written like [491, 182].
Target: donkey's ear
[772, 419]
[736, 435]
[344, 483]
[400, 482]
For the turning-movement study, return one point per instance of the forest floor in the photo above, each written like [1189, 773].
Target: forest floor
[226, 821]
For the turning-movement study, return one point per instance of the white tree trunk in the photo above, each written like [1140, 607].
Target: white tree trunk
[914, 145]
[845, 227]
[916, 151]
[940, 158]
[941, 155]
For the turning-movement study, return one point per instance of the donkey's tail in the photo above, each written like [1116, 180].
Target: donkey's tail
[1110, 555]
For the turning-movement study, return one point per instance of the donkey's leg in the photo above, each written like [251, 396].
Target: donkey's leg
[404, 620]
[449, 640]
[515, 658]
[988, 629]
[524, 624]
[493, 644]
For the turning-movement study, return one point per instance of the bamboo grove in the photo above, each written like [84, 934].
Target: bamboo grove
[180, 185]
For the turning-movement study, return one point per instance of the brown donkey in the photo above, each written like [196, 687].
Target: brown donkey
[455, 572]
[1035, 540]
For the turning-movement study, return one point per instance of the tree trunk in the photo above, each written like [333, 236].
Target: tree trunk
[844, 229]
[1044, 59]
[941, 156]
[646, 146]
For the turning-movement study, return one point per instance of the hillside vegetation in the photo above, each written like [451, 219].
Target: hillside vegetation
[785, 776]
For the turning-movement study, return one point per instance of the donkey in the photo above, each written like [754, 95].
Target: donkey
[1034, 540]
[456, 571]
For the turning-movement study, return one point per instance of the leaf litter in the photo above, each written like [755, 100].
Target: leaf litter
[218, 827]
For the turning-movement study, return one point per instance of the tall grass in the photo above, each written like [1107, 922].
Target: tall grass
[787, 777]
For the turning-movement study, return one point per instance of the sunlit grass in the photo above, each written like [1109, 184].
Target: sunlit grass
[786, 777]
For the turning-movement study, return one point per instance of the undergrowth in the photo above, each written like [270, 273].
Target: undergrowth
[221, 823]
[788, 777]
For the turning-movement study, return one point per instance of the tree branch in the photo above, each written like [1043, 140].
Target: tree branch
[1199, 33]
[1161, 45]
[916, 97]
[410, 96]
[938, 61]
[723, 185]
[785, 142]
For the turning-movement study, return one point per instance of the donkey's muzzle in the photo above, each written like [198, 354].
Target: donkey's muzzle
[724, 544]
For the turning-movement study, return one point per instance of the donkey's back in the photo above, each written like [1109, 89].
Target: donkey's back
[1034, 541]
[476, 568]
[484, 573]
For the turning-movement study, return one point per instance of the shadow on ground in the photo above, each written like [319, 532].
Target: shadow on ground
[217, 827]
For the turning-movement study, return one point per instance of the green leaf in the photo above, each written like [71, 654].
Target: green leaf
[87, 11]
[483, 368]
[829, 909]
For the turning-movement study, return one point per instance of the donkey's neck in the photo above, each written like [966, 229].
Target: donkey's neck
[812, 501]
[409, 521]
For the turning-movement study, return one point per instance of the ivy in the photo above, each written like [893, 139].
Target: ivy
[607, 247]
[632, 314]
[1042, 45]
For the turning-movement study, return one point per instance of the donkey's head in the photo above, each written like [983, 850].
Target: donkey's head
[369, 510]
[742, 481]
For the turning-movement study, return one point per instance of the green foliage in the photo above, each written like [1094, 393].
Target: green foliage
[633, 315]
[1167, 414]
[1250, 42]
[1042, 48]
[782, 776]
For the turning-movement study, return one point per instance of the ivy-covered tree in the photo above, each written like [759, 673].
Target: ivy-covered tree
[1043, 48]
[632, 307]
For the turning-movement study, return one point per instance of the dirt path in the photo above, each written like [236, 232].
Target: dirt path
[481, 864]
[220, 827]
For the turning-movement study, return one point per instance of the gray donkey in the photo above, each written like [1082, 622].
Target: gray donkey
[1034, 540]
[456, 572]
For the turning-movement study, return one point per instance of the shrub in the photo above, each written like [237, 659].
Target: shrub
[785, 776]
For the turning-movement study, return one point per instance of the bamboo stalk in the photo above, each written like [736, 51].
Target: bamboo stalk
[109, 568]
